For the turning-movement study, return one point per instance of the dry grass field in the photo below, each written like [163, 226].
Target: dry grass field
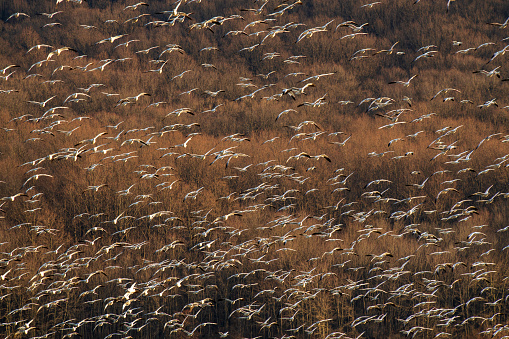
[254, 169]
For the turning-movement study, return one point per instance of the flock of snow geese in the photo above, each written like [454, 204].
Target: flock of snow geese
[297, 231]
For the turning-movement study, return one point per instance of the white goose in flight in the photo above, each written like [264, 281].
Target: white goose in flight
[293, 91]
[110, 39]
[500, 25]
[404, 83]
[43, 103]
[17, 15]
